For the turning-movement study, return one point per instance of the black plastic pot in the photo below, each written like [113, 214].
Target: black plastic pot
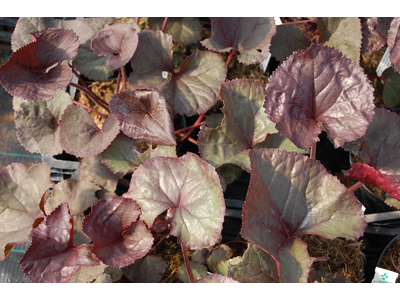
[394, 240]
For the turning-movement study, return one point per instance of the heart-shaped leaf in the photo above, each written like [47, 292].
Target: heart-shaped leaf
[79, 134]
[91, 65]
[22, 188]
[319, 86]
[245, 125]
[291, 195]
[118, 239]
[391, 90]
[393, 42]
[35, 71]
[343, 34]
[149, 269]
[144, 115]
[371, 176]
[183, 30]
[53, 255]
[250, 36]
[125, 154]
[256, 266]
[37, 124]
[190, 189]
[194, 89]
[382, 141]
[119, 39]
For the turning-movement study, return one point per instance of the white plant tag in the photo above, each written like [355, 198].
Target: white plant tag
[384, 276]
[384, 63]
[263, 65]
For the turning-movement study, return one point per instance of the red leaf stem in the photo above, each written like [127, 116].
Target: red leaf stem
[90, 94]
[118, 81]
[164, 25]
[137, 20]
[187, 263]
[187, 128]
[196, 124]
[355, 186]
[300, 21]
[90, 108]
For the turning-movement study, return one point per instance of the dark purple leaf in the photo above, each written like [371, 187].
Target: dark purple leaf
[35, 72]
[291, 195]
[371, 176]
[37, 124]
[183, 30]
[119, 39]
[194, 89]
[125, 154]
[245, 125]
[149, 269]
[189, 189]
[382, 141]
[79, 134]
[319, 86]
[144, 115]
[343, 34]
[391, 90]
[372, 38]
[216, 278]
[250, 36]
[53, 255]
[256, 266]
[288, 38]
[118, 239]
[22, 188]
[393, 42]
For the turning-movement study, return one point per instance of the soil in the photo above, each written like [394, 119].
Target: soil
[391, 259]
[345, 256]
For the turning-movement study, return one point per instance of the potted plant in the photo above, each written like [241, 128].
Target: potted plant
[83, 231]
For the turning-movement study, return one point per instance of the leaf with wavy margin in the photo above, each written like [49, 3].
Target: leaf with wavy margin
[319, 86]
[393, 42]
[183, 30]
[35, 71]
[53, 256]
[125, 154]
[193, 89]
[120, 40]
[372, 38]
[21, 190]
[118, 238]
[79, 134]
[189, 189]
[245, 124]
[37, 124]
[144, 115]
[250, 36]
[291, 195]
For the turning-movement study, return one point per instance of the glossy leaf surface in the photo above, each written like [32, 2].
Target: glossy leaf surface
[250, 36]
[245, 124]
[120, 40]
[319, 86]
[144, 115]
[290, 196]
[53, 255]
[21, 191]
[118, 239]
[125, 154]
[37, 124]
[34, 72]
[190, 189]
[79, 134]
[194, 89]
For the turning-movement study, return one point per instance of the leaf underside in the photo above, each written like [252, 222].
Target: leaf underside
[319, 86]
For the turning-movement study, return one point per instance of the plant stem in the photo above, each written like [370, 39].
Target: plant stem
[313, 150]
[90, 108]
[229, 58]
[187, 128]
[90, 94]
[124, 79]
[164, 25]
[158, 243]
[193, 141]
[355, 186]
[137, 20]
[230, 242]
[196, 124]
[187, 263]
[118, 81]
[300, 21]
